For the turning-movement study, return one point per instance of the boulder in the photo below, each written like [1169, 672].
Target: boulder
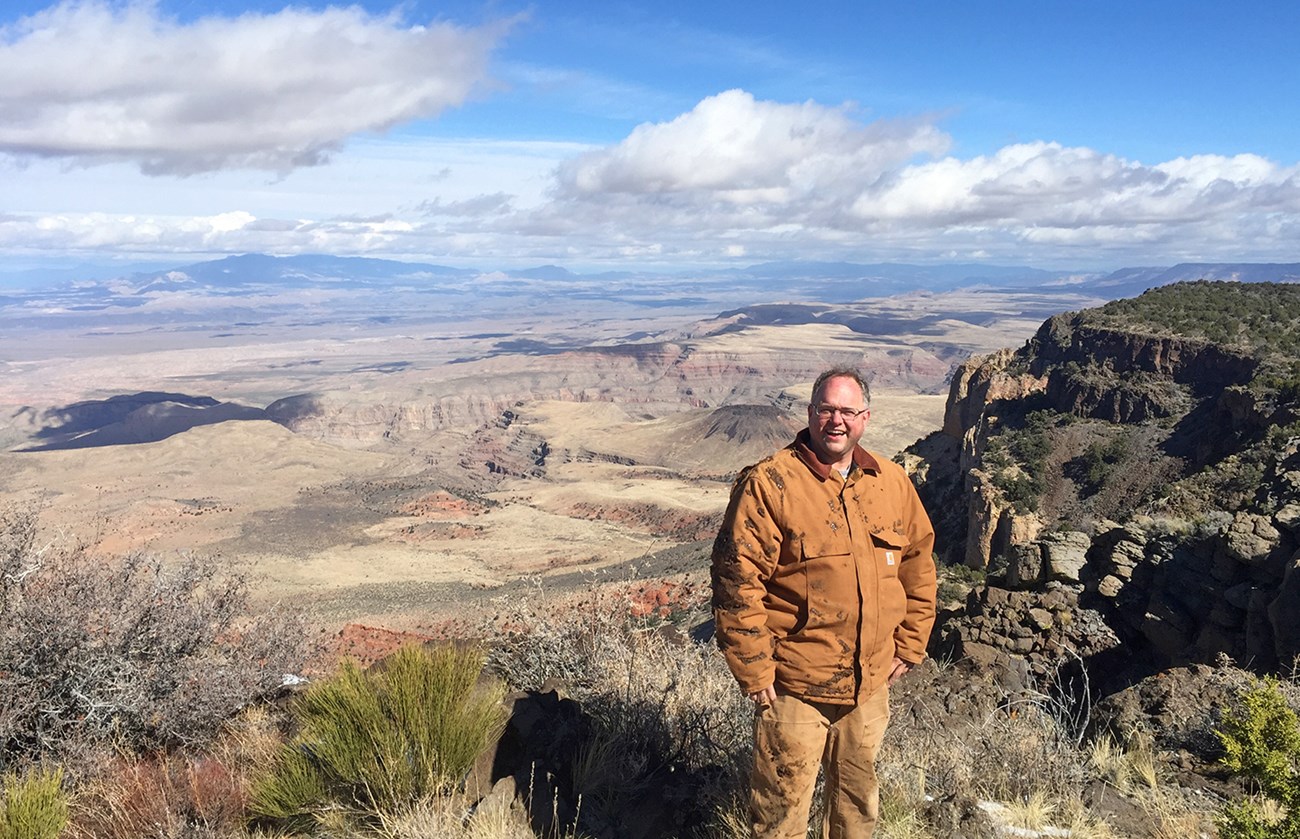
[1238, 596]
[1167, 628]
[1126, 557]
[1180, 706]
[958, 815]
[1288, 517]
[1250, 538]
[1110, 586]
[1260, 649]
[1064, 554]
[1024, 565]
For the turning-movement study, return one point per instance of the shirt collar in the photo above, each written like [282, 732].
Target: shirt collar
[803, 449]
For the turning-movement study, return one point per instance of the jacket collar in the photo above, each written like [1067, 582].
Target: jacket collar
[803, 449]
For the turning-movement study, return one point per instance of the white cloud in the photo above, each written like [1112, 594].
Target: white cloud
[480, 205]
[732, 145]
[791, 180]
[733, 178]
[94, 82]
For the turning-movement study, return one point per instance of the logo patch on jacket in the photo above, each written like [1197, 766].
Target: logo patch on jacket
[889, 557]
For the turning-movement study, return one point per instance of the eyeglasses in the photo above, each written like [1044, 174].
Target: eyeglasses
[827, 411]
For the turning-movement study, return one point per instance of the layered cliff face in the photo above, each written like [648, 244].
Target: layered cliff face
[664, 377]
[1140, 462]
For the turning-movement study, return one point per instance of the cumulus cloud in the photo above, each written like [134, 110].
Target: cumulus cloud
[732, 146]
[94, 82]
[1045, 185]
[806, 180]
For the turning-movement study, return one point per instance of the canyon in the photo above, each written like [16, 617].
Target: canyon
[394, 472]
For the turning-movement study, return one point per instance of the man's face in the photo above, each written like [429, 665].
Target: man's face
[833, 434]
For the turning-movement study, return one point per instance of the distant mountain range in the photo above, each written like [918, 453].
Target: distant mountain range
[1128, 282]
[306, 270]
[293, 281]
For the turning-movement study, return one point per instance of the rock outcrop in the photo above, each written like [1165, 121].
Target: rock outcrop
[1142, 483]
[1025, 635]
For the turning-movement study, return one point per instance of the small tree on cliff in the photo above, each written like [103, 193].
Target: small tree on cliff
[1261, 740]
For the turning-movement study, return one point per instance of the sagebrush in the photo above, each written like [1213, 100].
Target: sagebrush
[133, 653]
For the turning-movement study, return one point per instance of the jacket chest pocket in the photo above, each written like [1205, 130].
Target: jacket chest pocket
[888, 546]
[830, 582]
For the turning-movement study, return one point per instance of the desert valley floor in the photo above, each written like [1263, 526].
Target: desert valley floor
[386, 473]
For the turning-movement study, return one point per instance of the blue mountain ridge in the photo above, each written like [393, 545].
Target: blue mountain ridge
[833, 280]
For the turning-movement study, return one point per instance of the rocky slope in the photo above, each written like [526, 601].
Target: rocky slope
[1130, 481]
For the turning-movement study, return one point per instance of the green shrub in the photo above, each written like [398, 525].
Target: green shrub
[1261, 740]
[956, 581]
[379, 741]
[1260, 318]
[33, 807]
[1092, 469]
[1016, 457]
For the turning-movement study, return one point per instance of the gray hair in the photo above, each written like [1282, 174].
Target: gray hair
[842, 373]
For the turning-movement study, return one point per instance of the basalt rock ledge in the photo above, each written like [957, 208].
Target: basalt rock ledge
[1129, 481]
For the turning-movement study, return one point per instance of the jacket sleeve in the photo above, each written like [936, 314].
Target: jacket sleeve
[917, 574]
[745, 554]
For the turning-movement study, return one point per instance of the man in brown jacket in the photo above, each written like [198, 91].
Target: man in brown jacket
[823, 593]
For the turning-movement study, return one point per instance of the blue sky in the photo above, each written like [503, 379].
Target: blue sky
[672, 135]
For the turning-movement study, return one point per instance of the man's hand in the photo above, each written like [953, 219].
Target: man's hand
[898, 671]
[766, 696]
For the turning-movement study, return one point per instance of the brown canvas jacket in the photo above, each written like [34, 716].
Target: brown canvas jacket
[819, 582]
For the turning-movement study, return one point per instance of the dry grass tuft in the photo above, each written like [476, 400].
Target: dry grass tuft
[178, 794]
[1127, 768]
[1081, 823]
[1008, 754]
[664, 712]
[1033, 812]
[452, 817]
[1170, 815]
[160, 796]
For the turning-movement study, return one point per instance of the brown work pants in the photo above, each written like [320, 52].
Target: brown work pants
[792, 737]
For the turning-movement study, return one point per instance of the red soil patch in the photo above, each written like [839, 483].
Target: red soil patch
[663, 598]
[441, 503]
[683, 525]
[367, 644]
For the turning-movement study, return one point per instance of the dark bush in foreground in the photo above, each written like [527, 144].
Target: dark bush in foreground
[665, 721]
[130, 652]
